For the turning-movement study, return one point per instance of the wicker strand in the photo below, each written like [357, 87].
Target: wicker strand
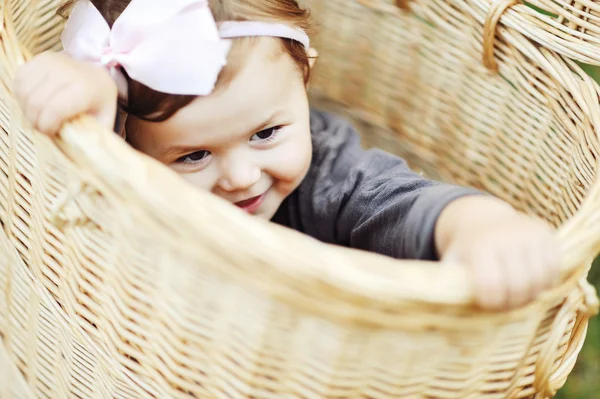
[387, 8]
[497, 8]
[403, 4]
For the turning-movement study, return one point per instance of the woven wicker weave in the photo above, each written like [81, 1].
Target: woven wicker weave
[114, 288]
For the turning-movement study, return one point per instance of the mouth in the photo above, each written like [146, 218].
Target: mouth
[251, 205]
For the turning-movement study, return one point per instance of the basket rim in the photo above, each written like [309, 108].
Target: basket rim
[110, 164]
[349, 272]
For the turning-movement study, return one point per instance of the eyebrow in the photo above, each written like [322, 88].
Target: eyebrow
[187, 149]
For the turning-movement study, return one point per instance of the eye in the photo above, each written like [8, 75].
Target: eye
[194, 157]
[266, 134]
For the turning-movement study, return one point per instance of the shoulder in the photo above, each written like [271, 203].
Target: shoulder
[337, 148]
[325, 125]
[332, 136]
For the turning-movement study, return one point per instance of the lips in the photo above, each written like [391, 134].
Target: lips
[251, 205]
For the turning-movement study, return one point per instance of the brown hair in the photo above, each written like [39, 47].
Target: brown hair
[151, 105]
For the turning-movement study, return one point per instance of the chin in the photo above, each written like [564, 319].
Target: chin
[270, 208]
[264, 216]
[275, 198]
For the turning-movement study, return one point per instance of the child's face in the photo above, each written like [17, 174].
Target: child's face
[248, 143]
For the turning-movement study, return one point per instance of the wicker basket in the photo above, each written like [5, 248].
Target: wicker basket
[116, 289]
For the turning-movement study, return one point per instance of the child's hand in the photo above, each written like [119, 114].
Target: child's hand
[53, 88]
[512, 257]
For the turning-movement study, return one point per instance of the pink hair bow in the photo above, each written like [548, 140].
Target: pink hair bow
[172, 46]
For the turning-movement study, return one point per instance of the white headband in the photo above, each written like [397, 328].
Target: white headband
[233, 29]
[170, 46]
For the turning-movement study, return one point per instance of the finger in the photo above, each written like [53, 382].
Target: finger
[21, 82]
[552, 256]
[490, 284]
[45, 99]
[26, 91]
[66, 103]
[518, 279]
[30, 77]
[541, 275]
[452, 258]
[35, 98]
[59, 107]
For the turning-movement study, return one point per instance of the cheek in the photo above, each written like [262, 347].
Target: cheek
[290, 161]
[203, 180]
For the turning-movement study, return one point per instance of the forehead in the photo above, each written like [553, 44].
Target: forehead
[265, 77]
[243, 52]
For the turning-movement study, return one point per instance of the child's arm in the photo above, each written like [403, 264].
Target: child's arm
[367, 200]
[512, 257]
[53, 88]
[371, 200]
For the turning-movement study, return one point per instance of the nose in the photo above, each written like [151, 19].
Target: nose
[238, 174]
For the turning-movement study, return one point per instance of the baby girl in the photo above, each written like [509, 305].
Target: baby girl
[217, 91]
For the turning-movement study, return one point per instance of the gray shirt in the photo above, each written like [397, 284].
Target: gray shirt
[365, 199]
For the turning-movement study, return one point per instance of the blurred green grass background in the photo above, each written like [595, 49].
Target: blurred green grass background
[584, 382]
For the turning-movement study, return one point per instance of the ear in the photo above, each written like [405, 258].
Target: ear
[312, 56]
